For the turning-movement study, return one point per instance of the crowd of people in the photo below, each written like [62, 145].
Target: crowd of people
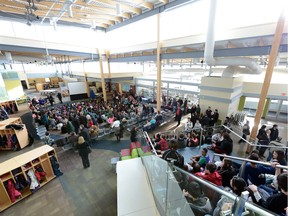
[83, 119]
[266, 185]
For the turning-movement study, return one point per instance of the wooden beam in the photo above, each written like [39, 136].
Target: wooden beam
[163, 1]
[159, 65]
[102, 75]
[148, 5]
[123, 6]
[268, 76]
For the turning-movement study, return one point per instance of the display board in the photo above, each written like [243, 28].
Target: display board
[77, 90]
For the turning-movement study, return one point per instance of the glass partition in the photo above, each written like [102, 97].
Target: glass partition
[177, 192]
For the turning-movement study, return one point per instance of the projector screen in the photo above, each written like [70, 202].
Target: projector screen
[76, 88]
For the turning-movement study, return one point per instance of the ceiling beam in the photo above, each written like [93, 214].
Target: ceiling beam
[101, 10]
[163, 1]
[148, 5]
[123, 6]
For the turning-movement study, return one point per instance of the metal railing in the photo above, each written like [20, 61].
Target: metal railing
[252, 144]
[165, 187]
[248, 160]
[256, 209]
[147, 138]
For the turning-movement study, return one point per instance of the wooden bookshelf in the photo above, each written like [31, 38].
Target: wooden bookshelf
[21, 135]
[20, 165]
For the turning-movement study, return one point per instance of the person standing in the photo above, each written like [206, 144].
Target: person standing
[116, 128]
[133, 134]
[246, 131]
[51, 99]
[198, 110]
[59, 95]
[274, 132]
[185, 106]
[178, 115]
[84, 132]
[83, 149]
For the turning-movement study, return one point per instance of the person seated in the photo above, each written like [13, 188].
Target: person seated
[255, 173]
[110, 120]
[199, 203]
[276, 203]
[173, 156]
[226, 145]
[188, 126]
[227, 171]
[153, 121]
[202, 159]
[238, 185]
[208, 138]
[157, 138]
[158, 116]
[147, 126]
[194, 141]
[181, 141]
[279, 157]
[210, 174]
[197, 127]
[93, 131]
[217, 138]
[162, 145]
[48, 140]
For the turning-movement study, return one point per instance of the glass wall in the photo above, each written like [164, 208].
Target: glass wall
[172, 186]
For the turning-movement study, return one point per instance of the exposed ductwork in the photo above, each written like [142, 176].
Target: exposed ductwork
[233, 63]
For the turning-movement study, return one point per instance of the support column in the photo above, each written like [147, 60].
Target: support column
[102, 76]
[265, 111]
[120, 88]
[241, 103]
[159, 80]
[268, 76]
[108, 63]
[86, 81]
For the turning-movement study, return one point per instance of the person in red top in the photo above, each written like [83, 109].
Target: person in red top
[162, 145]
[210, 174]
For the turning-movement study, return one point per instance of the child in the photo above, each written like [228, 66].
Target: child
[48, 140]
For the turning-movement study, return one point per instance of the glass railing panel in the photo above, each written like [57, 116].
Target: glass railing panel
[157, 172]
[176, 201]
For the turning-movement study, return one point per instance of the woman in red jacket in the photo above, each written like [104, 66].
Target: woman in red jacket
[210, 174]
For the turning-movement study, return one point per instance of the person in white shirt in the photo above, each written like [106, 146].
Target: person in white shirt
[188, 126]
[116, 128]
[197, 127]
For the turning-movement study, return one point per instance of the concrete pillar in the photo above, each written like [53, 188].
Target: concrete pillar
[221, 93]
[241, 103]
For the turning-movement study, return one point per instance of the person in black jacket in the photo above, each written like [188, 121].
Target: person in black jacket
[83, 149]
[274, 132]
[226, 145]
[84, 132]
[172, 155]
[133, 134]
[178, 115]
[276, 203]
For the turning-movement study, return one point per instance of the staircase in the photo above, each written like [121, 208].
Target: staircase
[41, 130]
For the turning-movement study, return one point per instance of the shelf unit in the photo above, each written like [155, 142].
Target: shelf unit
[21, 135]
[19, 165]
[11, 103]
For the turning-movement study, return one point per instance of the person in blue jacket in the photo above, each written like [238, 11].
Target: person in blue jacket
[255, 173]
